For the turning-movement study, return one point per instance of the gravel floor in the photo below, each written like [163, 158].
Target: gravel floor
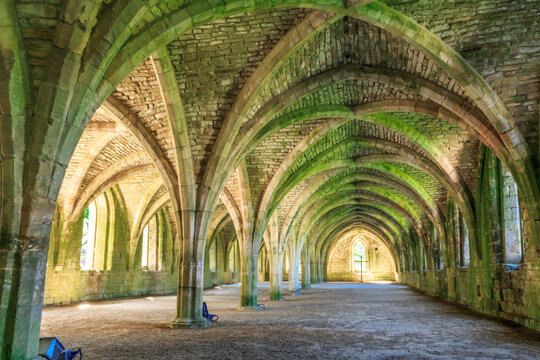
[329, 321]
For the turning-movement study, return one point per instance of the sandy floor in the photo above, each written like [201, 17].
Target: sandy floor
[330, 321]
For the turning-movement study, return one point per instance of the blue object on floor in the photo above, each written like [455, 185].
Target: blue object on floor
[207, 315]
[52, 349]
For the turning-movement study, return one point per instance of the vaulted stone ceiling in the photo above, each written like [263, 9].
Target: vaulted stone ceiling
[322, 101]
[290, 111]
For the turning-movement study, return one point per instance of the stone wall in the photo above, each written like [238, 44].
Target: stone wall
[488, 284]
[66, 283]
[214, 278]
[506, 293]
[120, 274]
[65, 287]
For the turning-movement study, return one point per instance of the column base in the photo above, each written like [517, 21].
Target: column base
[306, 287]
[295, 292]
[186, 323]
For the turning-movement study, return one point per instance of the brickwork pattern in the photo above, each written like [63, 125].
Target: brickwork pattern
[141, 92]
[212, 63]
[500, 40]
[269, 154]
[338, 45]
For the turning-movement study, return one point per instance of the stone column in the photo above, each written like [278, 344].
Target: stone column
[294, 265]
[305, 270]
[276, 275]
[22, 280]
[189, 296]
[248, 280]
[191, 274]
[320, 267]
[314, 269]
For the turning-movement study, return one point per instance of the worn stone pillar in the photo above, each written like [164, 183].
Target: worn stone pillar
[191, 274]
[276, 275]
[314, 271]
[248, 280]
[22, 280]
[320, 268]
[305, 270]
[294, 278]
[189, 296]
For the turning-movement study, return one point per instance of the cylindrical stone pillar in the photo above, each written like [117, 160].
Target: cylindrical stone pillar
[190, 277]
[294, 279]
[248, 281]
[306, 284]
[22, 280]
[189, 296]
[314, 271]
[276, 276]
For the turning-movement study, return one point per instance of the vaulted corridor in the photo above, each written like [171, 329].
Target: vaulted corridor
[329, 321]
[163, 147]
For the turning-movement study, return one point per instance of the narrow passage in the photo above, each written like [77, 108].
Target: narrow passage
[329, 321]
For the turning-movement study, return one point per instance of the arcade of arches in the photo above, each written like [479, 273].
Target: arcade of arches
[159, 147]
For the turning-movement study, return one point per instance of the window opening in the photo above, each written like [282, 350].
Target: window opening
[359, 258]
[513, 240]
[88, 237]
[151, 247]
[145, 240]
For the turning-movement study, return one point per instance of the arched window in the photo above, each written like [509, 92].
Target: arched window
[151, 246]
[96, 244]
[513, 240]
[359, 258]
[88, 237]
